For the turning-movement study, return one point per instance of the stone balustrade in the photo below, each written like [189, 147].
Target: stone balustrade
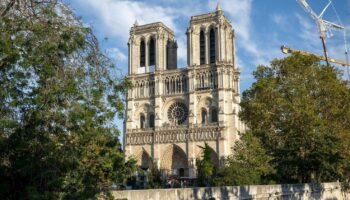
[170, 135]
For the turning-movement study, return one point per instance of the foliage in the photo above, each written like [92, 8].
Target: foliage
[154, 177]
[205, 167]
[249, 164]
[300, 111]
[58, 99]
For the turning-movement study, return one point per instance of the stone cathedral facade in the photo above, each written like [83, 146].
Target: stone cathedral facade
[172, 112]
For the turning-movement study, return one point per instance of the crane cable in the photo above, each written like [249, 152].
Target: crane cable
[345, 41]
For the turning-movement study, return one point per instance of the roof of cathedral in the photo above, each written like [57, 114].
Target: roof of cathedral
[146, 27]
[218, 14]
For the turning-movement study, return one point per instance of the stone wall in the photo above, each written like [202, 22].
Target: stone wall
[326, 191]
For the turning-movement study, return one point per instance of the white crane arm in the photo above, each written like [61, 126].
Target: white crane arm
[308, 9]
[333, 25]
[324, 10]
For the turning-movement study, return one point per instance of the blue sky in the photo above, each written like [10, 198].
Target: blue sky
[261, 26]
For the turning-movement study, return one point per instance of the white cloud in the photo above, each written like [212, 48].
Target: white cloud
[239, 11]
[308, 32]
[280, 20]
[116, 17]
[116, 54]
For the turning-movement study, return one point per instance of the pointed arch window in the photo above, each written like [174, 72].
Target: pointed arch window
[151, 121]
[152, 53]
[204, 116]
[212, 45]
[142, 121]
[214, 115]
[168, 54]
[202, 48]
[142, 54]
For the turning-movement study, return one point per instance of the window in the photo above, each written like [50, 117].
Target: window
[142, 54]
[152, 53]
[214, 115]
[142, 121]
[151, 121]
[202, 48]
[204, 116]
[212, 45]
[177, 113]
[142, 89]
[181, 172]
[168, 55]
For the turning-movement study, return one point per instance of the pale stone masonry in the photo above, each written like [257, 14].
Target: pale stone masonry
[172, 111]
[323, 191]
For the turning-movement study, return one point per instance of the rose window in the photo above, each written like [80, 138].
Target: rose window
[177, 113]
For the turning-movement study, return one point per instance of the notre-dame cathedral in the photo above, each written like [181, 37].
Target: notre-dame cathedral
[172, 112]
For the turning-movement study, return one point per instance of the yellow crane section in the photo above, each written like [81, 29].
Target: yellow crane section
[287, 50]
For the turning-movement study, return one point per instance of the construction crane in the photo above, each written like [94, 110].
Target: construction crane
[287, 50]
[323, 25]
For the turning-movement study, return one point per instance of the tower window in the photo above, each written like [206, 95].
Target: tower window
[212, 45]
[204, 116]
[151, 121]
[168, 55]
[142, 54]
[142, 121]
[151, 52]
[214, 115]
[202, 48]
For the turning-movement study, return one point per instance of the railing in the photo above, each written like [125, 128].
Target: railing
[169, 135]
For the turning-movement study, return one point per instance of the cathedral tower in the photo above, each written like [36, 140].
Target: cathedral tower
[151, 47]
[172, 112]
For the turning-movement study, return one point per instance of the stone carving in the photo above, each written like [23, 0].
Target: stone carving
[177, 113]
[129, 119]
[221, 111]
[207, 102]
[198, 98]
[170, 135]
[191, 113]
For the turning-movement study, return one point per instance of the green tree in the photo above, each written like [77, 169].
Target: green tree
[154, 177]
[205, 167]
[58, 100]
[300, 111]
[249, 164]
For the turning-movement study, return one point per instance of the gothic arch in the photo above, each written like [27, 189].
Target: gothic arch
[202, 47]
[204, 116]
[175, 112]
[144, 109]
[173, 159]
[142, 121]
[214, 117]
[167, 104]
[214, 155]
[207, 103]
[152, 51]
[142, 52]
[212, 45]
[143, 159]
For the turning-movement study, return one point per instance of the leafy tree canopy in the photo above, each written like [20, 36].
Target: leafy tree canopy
[58, 99]
[205, 167]
[300, 111]
[249, 164]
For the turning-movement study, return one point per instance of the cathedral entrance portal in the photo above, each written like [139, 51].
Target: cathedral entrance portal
[174, 161]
